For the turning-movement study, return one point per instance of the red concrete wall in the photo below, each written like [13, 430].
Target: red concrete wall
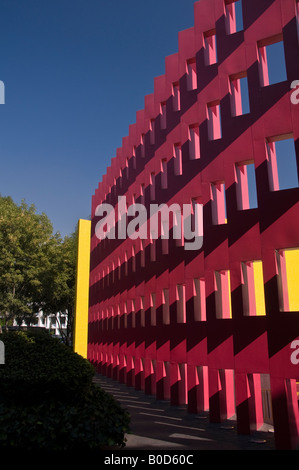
[208, 362]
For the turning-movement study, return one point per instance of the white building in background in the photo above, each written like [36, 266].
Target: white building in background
[55, 324]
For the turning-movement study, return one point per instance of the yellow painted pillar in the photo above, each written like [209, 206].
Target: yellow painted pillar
[82, 288]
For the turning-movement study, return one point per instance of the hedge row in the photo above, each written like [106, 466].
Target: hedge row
[48, 400]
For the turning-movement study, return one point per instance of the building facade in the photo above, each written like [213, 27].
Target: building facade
[215, 328]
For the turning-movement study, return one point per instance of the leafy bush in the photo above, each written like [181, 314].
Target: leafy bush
[39, 367]
[48, 400]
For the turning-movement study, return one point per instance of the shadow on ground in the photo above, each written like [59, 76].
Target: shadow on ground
[155, 425]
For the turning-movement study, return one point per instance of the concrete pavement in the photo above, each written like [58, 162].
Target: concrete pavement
[155, 425]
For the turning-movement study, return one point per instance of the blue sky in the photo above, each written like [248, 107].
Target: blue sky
[75, 73]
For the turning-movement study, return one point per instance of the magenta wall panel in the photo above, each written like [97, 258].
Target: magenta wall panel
[163, 319]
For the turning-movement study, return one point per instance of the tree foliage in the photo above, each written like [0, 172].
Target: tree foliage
[59, 281]
[37, 267]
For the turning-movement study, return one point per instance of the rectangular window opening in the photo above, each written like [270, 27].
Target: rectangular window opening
[125, 313]
[126, 263]
[153, 187]
[142, 253]
[246, 186]
[133, 259]
[267, 407]
[153, 249]
[153, 310]
[164, 239]
[239, 93]
[181, 304]
[163, 116]
[152, 131]
[133, 313]
[288, 275]
[194, 142]
[282, 162]
[253, 289]
[191, 75]
[134, 157]
[178, 160]
[197, 216]
[233, 16]
[182, 384]
[165, 308]
[210, 47]
[218, 202]
[142, 311]
[142, 193]
[223, 294]
[142, 143]
[214, 121]
[118, 313]
[176, 99]
[259, 389]
[178, 228]
[164, 182]
[108, 275]
[272, 64]
[199, 298]
[119, 268]
[113, 272]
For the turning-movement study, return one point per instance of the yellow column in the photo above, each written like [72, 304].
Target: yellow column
[82, 288]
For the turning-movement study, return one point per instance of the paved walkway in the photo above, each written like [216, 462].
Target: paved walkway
[155, 425]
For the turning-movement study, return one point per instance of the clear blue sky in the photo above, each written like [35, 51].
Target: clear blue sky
[75, 73]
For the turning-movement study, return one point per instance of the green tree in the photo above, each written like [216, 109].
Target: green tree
[37, 267]
[24, 238]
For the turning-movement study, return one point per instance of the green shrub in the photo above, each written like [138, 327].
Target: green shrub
[39, 367]
[48, 400]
